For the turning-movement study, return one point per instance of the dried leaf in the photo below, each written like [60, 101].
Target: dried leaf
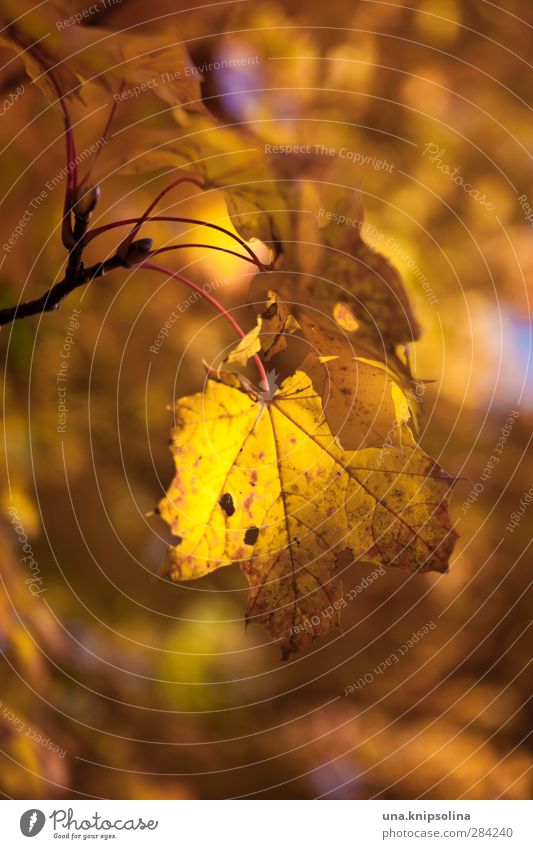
[273, 326]
[278, 325]
[317, 328]
[363, 401]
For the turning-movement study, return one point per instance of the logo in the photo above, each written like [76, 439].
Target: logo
[32, 822]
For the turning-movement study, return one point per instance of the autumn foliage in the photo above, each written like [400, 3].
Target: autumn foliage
[292, 334]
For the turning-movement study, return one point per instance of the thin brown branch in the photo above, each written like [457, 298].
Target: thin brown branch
[51, 299]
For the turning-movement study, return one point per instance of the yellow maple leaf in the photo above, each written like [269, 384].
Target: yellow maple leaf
[266, 485]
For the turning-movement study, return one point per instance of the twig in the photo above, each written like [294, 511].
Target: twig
[53, 297]
[123, 248]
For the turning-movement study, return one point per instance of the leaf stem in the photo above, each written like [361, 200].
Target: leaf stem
[201, 245]
[123, 248]
[218, 306]
[72, 166]
[97, 231]
[104, 139]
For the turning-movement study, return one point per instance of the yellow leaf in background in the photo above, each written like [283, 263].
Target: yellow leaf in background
[334, 272]
[49, 40]
[269, 335]
[266, 486]
[363, 405]
[246, 347]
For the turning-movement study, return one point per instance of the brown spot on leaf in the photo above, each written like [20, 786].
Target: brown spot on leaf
[226, 502]
[251, 535]
[249, 500]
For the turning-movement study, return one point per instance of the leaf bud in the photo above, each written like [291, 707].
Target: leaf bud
[138, 251]
[85, 201]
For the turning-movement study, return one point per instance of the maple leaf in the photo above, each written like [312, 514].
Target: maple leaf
[328, 268]
[35, 37]
[266, 485]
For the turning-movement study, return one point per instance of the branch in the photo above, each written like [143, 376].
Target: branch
[53, 297]
[201, 245]
[76, 275]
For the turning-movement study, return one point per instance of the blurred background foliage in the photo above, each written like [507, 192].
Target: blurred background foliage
[157, 690]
